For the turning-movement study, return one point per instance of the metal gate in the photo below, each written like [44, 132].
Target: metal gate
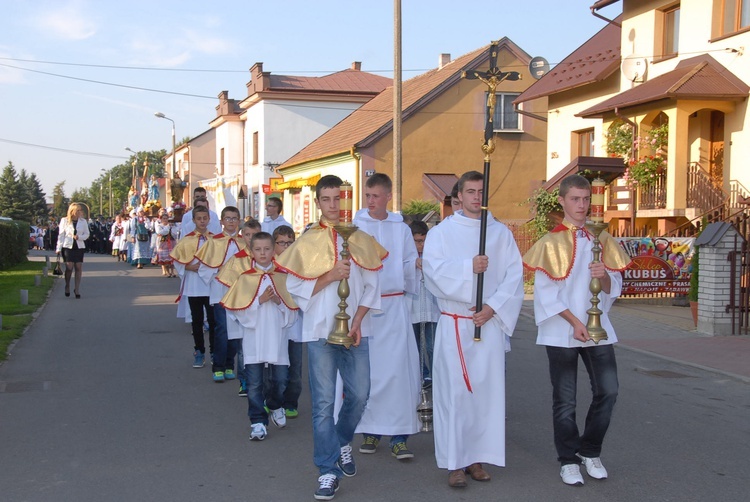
[739, 294]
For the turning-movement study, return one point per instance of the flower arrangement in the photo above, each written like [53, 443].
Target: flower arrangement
[178, 205]
[645, 171]
[647, 168]
[152, 206]
[620, 140]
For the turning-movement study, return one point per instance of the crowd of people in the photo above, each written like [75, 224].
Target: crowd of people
[262, 294]
[411, 319]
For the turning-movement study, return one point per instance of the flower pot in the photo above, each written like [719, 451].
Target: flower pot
[694, 311]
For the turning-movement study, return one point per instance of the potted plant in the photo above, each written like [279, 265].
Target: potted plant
[693, 292]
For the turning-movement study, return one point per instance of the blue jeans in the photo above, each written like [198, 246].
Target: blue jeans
[324, 360]
[429, 338]
[563, 369]
[294, 385]
[274, 395]
[220, 338]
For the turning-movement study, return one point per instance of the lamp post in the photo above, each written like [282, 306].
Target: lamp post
[171, 172]
[109, 213]
[134, 163]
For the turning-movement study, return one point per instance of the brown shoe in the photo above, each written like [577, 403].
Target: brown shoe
[457, 479]
[477, 473]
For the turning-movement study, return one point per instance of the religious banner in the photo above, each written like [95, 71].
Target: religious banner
[660, 265]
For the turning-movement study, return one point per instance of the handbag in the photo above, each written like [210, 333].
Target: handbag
[58, 269]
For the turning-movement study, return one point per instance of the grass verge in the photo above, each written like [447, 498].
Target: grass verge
[16, 316]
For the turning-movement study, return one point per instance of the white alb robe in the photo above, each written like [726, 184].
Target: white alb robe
[262, 326]
[470, 427]
[394, 359]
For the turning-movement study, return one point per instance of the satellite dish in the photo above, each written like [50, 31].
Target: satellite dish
[634, 68]
[538, 67]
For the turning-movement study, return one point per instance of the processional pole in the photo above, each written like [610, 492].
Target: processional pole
[491, 78]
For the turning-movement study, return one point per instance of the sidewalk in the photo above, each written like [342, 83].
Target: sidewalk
[669, 333]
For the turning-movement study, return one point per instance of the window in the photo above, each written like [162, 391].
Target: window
[221, 162]
[255, 148]
[735, 15]
[506, 119]
[584, 143]
[670, 43]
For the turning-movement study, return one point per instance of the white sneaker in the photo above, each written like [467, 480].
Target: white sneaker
[278, 417]
[571, 475]
[258, 432]
[594, 467]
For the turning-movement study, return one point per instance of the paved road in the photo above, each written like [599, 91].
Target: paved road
[98, 401]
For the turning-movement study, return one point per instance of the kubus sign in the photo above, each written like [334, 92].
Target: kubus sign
[660, 265]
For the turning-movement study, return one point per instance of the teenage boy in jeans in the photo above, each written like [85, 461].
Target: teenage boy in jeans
[193, 287]
[315, 271]
[563, 271]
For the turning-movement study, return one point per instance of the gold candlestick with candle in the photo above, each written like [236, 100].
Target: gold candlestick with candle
[339, 335]
[596, 225]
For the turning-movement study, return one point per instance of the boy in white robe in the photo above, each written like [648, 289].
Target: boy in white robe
[262, 306]
[394, 359]
[468, 388]
[562, 261]
[315, 272]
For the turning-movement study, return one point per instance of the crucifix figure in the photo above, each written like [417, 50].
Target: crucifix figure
[491, 78]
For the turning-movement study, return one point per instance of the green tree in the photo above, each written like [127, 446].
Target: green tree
[10, 194]
[60, 202]
[39, 210]
[83, 195]
[24, 203]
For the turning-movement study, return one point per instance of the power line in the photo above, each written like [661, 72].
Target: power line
[64, 150]
[109, 83]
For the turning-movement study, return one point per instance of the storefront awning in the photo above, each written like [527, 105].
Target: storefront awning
[279, 185]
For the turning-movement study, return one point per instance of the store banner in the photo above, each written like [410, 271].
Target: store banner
[660, 265]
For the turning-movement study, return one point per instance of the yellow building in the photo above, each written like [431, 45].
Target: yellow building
[675, 76]
[442, 135]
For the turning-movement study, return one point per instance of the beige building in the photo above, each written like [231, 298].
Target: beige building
[674, 74]
[442, 134]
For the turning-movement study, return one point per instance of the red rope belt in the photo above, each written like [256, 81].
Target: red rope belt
[387, 295]
[456, 317]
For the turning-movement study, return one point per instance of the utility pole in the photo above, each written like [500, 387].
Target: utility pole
[397, 106]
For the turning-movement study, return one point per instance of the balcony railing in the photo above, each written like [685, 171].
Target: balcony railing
[654, 195]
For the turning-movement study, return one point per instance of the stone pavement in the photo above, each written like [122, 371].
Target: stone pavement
[668, 332]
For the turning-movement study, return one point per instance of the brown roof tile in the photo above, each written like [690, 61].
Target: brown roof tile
[594, 61]
[375, 117]
[701, 77]
[348, 80]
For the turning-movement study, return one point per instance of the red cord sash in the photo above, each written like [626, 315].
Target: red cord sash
[456, 317]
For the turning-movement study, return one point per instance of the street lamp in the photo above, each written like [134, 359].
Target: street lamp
[134, 163]
[171, 172]
[109, 213]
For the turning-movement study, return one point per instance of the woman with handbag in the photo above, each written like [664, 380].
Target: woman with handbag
[140, 232]
[74, 230]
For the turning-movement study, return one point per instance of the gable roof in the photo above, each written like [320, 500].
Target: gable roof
[701, 77]
[349, 80]
[594, 61]
[375, 118]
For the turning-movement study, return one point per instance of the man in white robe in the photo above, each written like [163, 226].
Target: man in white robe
[469, 376]
[394, 359]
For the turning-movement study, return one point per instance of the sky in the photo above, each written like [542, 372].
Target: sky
[80, 80]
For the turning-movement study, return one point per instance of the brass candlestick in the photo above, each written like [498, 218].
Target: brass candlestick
[594, 324]
[339, 335]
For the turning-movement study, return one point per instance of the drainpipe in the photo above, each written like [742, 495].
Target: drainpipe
[357, 175]
[528, 114]
[600, 5]
[633, 156]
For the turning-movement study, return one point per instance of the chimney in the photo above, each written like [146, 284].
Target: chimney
[357, 65]
[444, 59]
[259, 79]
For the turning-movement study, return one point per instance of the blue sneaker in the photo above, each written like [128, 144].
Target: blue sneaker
[199, 359]
[328, 486]
[229, 375]
[218, 376]
[346, 461]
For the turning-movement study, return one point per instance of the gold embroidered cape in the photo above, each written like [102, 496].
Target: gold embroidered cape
[554, 253]
[238, 264]
[188, 247]
[315, 252]
[215, 251]
[246, 289]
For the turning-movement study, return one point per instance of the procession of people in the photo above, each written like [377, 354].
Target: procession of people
[265, 296]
